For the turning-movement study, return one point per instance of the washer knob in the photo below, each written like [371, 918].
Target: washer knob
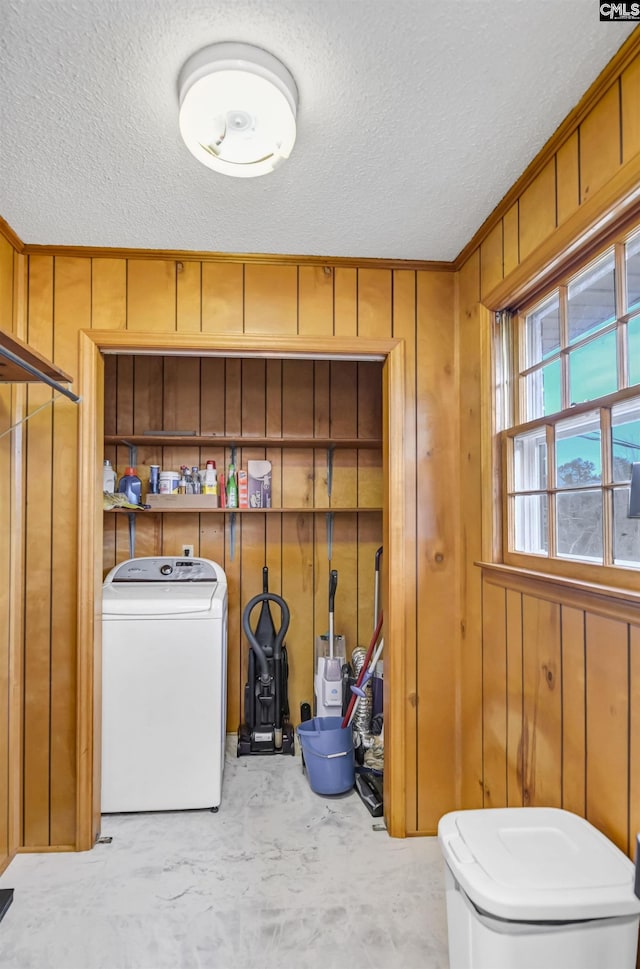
[166, 569]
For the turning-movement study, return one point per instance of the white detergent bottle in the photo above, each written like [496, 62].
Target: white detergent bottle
[108, 477]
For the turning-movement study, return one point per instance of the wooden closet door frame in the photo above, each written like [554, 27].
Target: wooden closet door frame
[95, 343]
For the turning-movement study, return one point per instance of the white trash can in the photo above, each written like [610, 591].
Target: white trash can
[536, 888]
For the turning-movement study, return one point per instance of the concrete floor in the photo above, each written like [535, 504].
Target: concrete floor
[280, 878]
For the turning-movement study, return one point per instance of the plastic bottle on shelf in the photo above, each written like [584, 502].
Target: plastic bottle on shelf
[195, 481]
[108, 477]
[210, 481]
[232, 488]
[131, 486]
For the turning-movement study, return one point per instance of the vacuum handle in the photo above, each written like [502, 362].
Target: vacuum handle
[265, 579]
[333, 585]
[282, 632]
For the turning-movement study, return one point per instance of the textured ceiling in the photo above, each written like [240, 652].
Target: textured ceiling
[414, 120]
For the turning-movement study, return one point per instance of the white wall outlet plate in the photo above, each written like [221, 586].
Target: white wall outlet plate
[187, 551]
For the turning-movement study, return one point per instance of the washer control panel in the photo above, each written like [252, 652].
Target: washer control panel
[165, 569]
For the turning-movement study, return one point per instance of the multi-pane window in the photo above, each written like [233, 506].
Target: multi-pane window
[576, 432]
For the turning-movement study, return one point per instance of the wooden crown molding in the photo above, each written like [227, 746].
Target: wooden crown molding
[616, 66]
[181, 255]
[7, 233]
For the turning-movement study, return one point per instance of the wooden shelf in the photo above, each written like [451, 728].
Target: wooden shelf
[207, 509]
[12, 371]
[206, 440]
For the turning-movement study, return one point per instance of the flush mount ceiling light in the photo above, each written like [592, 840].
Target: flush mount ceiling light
[238, 108]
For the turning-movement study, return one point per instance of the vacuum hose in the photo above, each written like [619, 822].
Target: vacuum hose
[257, 648]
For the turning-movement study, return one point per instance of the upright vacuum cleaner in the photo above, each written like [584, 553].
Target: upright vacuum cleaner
[266, 729]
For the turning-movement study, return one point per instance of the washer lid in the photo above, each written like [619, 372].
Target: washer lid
[537, 864]
[167, 599]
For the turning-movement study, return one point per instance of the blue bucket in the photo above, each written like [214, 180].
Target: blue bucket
[328, 754]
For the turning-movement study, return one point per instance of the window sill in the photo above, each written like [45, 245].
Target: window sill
[609, 600]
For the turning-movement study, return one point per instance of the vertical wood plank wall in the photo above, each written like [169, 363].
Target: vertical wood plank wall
[457, 752]
[547, 688]
[69, 293]
[296, 397]
[12, 405]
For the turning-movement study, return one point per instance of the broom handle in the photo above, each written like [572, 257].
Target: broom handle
[361, 674]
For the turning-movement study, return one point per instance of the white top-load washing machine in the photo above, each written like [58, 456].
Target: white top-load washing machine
[164, 684]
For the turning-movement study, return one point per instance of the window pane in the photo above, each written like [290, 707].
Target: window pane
[579, 525]
[633, 336]
[625, 438]
[632, 255]
[543, 391]
[578, 457]
[531, 524]
[530, 461]
[592, 300]
[593, 369]
[626, 531]
[542, 331]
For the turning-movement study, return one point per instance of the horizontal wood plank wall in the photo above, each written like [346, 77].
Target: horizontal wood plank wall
[553, 687]
[560, 725]
[339, 398]
[259, 398]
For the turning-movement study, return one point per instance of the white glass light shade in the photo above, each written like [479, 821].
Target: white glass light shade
[237, 109]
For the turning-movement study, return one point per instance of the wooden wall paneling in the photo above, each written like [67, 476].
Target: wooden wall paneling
[181, 397]
[148, 407]
[151, 295]
[345, 301]
[321, 426]
[515, 699]
[343, 410]
[600, 143]
[212, 401]
[568, 178]
[14, 615]
[634, 738]
[6, 285]
[222, 297]
[6, 606]
[491, 259]
[253, 407]
[537, 206]
[109, 294]
[630, 96]
[72, 312]
[542, 730]
[270, 299]
[494, 695]
[298, 593]
[232, 398]
[404, 328]
[369, 540]
[573, 711]
[374, 303]
[344, 559]
[469, 515]
[438, 493]
[315, 300]
[369, 460]
[607, 699]
[510, 239]
[251, 535]
[189, 296]
[39, 488]
[17, 505]
[273, 389]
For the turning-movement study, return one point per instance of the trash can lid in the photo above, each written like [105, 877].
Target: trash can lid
[537, 864]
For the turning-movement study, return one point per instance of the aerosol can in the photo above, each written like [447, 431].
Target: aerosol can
[330, 655]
